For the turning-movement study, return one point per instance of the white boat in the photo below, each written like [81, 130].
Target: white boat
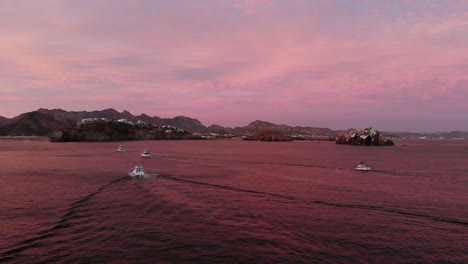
[121, 148]
[146, 153]
[362, 167]
[137, 172]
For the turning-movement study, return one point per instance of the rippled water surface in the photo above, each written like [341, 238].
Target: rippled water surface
[234, 202]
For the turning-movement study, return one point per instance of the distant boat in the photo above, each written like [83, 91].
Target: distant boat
[121, 148]
[137, 172]
[146, 153]
[362, 167]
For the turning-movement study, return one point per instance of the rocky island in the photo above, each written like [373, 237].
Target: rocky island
[103, 129]
[366, 137]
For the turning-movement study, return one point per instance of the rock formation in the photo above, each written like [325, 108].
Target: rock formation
[367, 136]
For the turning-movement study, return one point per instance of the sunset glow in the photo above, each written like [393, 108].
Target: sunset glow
[396, 65]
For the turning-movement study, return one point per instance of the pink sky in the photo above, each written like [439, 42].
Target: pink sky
[396, 65]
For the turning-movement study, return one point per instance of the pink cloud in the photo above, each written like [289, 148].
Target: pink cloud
[251, 7]
[292, 60]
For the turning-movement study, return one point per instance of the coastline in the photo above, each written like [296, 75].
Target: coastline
[39, 138]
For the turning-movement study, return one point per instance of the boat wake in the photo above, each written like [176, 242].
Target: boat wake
[71, 211]
[61, 223]
[249, 162]
[386, 172]
[225, 187]
[324, 203]
[393, 211]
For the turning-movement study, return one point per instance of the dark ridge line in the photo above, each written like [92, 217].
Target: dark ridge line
[61, 223]
[353, 206]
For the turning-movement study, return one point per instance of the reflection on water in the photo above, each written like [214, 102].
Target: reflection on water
[233, 202]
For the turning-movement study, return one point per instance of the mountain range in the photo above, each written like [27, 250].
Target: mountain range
[43, 121]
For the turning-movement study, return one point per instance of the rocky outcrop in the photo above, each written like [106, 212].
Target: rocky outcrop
[269, 136]
[116, 131]
[367, 137]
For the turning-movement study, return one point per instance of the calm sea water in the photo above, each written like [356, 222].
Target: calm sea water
[234, 202]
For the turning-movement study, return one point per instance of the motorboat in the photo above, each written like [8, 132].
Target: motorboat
[121, 148]
[137, 172]
[362, 167]
[146, 153]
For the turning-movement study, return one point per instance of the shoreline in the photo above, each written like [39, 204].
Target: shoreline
[39, 138]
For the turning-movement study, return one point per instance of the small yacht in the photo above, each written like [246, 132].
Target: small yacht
[121, 148]
[146, 153]
[137, 172]
[362, 167]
